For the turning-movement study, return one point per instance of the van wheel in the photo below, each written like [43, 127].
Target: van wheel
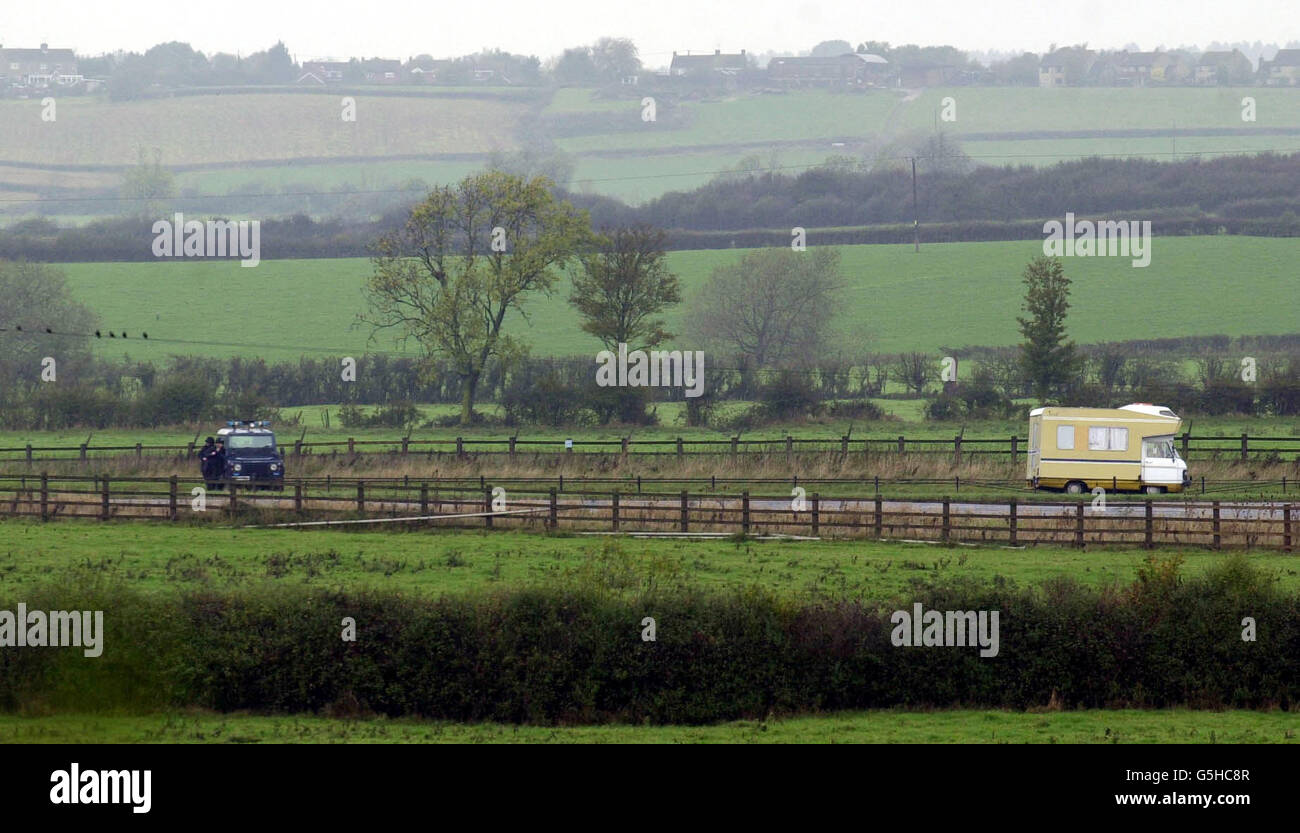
[1074, 487]
[1154, 490]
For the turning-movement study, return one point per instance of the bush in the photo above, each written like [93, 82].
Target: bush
[573, 652]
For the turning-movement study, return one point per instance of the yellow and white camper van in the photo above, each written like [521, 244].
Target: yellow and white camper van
[1129, 448]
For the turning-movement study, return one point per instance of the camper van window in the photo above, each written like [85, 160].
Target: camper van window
[1033, 437]
[1107, 439]
[1065, 437]
[1158, 448]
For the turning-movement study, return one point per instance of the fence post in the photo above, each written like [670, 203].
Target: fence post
[623, 443]
[103, 497]
[361, 496]
[1078, 524]
[679, 448]
[901, 442]
[789, 446]
[352, 445]
[1011, 516]
[744, 513]
[171, 497]
[297, 497]
[139, 451]
[1286, 528]
[685, 511]
[1185, 439]
[405, 442]
[1150, 527]
[424, 498]
[512, 447]
[816, 513]
[946, 528]
[487, 506]
[554, 519]
[1015, 448]
[232, 506]
[83, 452]
[460, 447]
[1245, 448]
[1216, 525]
[297, 448]
[614, 516]
[735, 442]
[45, 496]
[29, 454]
[844, 446]
[877, 520]
[956, 450]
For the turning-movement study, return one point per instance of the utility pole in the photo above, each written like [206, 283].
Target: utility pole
[916, 215]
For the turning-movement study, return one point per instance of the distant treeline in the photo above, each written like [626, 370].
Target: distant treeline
[97, 393]
[1254, 195]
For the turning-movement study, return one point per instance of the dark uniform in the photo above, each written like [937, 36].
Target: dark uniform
[219, 463]
[206, 455]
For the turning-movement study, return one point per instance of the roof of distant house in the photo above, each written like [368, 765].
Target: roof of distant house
[1286, 58]
[58, 55]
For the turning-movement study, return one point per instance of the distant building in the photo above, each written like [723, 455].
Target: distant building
[1141, 68]
[1283, 70]
[720, 63]
[323, 72]
[382, 71]
[927, 75]
[1222, 67]
[849, 69]
[42, 67]
[1065, 67]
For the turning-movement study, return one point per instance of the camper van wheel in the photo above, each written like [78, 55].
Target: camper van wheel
[1074, 487]
[1154, 490]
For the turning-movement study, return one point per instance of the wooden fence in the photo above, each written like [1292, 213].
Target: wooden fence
[1193, 447]
[1011, 522]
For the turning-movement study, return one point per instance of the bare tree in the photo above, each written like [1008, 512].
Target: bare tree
[774, 306]
[915, 371]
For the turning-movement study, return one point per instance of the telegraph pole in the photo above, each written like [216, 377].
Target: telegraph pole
[916, 216]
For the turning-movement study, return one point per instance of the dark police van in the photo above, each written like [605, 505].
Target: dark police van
[251, 454]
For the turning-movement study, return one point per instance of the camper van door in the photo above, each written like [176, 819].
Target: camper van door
[1159, 465]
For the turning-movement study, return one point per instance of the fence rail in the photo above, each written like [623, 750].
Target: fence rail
[1010, 522]
[1193, 447]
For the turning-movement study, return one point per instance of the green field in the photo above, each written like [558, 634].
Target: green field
[225, 132]
[950, 295]
[881, 726]
[166, 559]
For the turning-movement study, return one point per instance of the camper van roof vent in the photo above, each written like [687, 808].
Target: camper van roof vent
[1148, 408]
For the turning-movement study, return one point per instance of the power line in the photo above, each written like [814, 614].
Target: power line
[641, 177]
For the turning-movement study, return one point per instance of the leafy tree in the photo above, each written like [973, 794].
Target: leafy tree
[466, 257]
[575, 67]
[1049, 360]
[36, 299]
[148, 184]
[623, 285]
[831, 48]
[774, 306]
[614, 58]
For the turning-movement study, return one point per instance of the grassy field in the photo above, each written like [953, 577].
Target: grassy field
[166, 559]
[882, 726]
[235, 128]
[952, 294]
[242, 128]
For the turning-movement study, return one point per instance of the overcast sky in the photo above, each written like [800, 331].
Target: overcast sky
[403, 28]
